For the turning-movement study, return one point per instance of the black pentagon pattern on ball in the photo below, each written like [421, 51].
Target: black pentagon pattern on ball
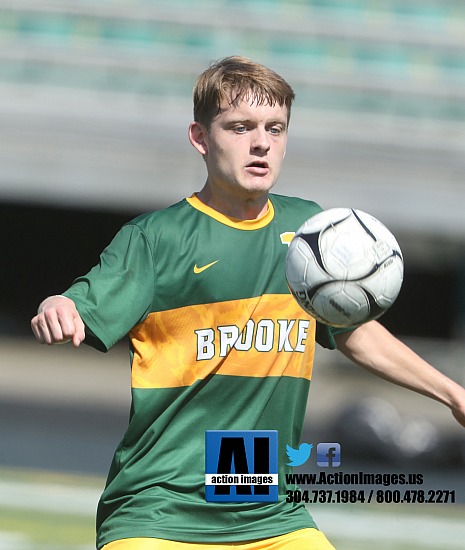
[375, 309]
[367, 230]
[312, 239]
[377, 265]
[310, 293]
[307, 302]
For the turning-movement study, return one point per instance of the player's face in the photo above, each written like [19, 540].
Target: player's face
[244, 148]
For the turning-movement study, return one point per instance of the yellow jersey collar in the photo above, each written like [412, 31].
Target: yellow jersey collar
[245, 225]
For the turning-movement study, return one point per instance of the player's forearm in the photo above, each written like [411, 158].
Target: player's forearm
[374, 348]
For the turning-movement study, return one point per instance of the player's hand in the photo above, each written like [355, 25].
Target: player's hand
[57, 322]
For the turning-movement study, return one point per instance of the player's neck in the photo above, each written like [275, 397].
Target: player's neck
[249, 208]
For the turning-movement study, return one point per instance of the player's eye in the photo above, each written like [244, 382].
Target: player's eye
[276, 130]
[240, 129]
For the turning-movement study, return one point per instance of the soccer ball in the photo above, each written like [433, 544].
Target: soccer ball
[344, 267]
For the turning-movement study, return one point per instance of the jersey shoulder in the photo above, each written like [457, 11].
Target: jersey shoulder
[292, 212]
[293, 204]
[171, 224]
[173, 214]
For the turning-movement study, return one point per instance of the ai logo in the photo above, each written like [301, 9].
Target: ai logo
[241, 466]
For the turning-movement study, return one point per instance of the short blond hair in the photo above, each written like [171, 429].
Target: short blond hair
[235, 78]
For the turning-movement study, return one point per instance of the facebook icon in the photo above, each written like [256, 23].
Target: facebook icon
[328, 455]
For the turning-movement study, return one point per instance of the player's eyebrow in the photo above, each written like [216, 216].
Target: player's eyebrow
[273, 122]
[279, 122]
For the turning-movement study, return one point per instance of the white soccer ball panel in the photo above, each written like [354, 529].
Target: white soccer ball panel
[347, 250]
[323, 220]
[302, 266]
[385, 240]
[296, 263]
[385, 284]
[341, 303]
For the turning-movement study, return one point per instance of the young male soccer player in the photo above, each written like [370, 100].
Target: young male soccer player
[216, 340]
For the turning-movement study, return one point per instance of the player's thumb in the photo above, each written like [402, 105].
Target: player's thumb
[79, 331]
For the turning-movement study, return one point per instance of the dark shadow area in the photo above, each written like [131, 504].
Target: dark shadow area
[43, 250]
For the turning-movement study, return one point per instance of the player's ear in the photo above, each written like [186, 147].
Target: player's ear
[197, 137]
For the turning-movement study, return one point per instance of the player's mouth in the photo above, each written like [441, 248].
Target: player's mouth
[258, 168]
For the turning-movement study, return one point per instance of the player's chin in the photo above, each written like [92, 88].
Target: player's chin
[260, 184]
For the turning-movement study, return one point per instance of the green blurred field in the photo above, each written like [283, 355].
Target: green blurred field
[40, 511]
[393, 527]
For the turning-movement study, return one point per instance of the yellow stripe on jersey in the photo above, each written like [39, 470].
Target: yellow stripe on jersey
[270, 336]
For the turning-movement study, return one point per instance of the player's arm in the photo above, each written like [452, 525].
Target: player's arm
[58, 321]
[373, 347]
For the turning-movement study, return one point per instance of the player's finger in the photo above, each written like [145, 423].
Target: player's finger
[42, 330]
[36, 329]
[65, 324]
[55, 323]
[79, 331]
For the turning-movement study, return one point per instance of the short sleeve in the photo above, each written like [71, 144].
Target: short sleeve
[117, 293]
[325, 334]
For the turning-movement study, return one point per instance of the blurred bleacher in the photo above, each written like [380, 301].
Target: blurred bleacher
[96, 97]
[95, 100]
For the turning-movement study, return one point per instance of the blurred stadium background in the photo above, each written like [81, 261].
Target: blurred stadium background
[95, 100]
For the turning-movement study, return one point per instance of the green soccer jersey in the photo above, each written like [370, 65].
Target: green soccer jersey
[217, 343]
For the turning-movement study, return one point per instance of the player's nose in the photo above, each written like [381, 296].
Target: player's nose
[260, 140]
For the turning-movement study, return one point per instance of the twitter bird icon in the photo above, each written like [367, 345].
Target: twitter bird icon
[300, 455]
